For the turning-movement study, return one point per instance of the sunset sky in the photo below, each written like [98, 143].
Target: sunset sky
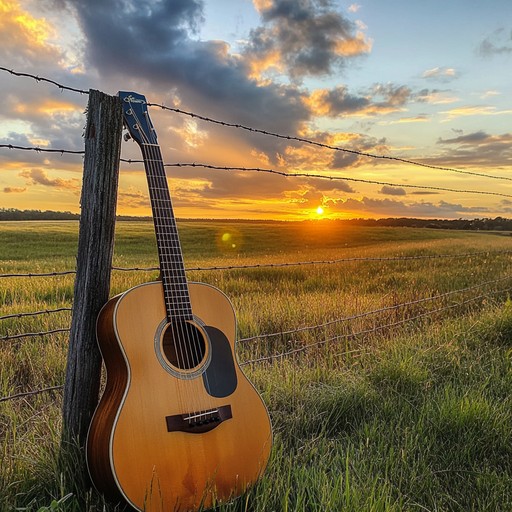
[424, 81]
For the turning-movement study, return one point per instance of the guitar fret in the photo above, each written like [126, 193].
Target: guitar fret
[176, 292]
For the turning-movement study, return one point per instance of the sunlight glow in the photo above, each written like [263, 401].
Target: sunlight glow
[320, 210]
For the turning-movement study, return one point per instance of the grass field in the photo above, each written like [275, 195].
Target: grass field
[405, 409]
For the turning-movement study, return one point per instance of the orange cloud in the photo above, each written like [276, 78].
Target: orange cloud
[24, 35]
[40, 177]
[354, 46]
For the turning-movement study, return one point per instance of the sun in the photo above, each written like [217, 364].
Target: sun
[319, 210]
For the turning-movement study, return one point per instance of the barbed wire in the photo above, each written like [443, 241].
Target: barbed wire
[268, 133]
[33, 334]
[40, 274]
[308, 346]
[336, 178]
[324, 177]
[42, 79]
[368, 331]
[281, 333]
[373, 312]
[30, 393]
[272, 171]
[321, 144]
[321, 262]
[34, 313]
[277, 265]
[42, 150]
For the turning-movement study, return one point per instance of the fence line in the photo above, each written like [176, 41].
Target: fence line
[281, 173]
[37, 149]
[278, 265]
[321, 144]
[368, 331]
[30, 393]
[32, 334]
[34, 313]
[299, 329]
[268, 133]
[339, 178]
[304, 348]
[42, 79]
[375, 311]
[306, 175]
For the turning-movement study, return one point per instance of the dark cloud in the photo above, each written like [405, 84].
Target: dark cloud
[498, 43]
[477, 148]
[380, 99]
[424, 193]
[153, 42]
[14, 190]
[306, 37]
[333, 102]
[360, 143]
[471, 138]
[393, 95]
[329, 186]
[342, 160]
[392, 191]
[393, 208]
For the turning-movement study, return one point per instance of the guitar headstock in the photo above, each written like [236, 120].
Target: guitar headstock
[136, 118]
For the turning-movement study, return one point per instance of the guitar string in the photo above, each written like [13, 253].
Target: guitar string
[169, 284]
[179, 283]
[183, 388]
[194, 336]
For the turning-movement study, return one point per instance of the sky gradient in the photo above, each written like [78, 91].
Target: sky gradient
[424, 81]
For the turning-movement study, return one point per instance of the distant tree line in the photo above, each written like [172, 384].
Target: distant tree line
[484, 224]
[15, 214]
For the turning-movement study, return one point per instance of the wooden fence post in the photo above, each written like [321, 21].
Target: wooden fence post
[94, 261]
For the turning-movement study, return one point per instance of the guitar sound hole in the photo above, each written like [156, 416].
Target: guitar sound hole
[183, 345]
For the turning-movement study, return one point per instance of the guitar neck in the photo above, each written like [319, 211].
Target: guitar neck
[176, 293]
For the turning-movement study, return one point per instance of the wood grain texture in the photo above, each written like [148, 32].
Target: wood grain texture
[94, 261]
[157, 470]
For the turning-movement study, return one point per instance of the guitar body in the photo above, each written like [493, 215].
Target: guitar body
[171, 435]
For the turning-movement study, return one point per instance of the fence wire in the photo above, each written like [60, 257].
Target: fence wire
[369, 331]
[333, 339]
[279, 265]
[329, 177]
[374, 312]
[302, 140]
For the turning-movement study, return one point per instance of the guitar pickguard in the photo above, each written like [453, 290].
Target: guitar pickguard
[220, 377]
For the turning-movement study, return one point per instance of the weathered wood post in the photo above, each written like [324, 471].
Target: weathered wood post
[94, 261]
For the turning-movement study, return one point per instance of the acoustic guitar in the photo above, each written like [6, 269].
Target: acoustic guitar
[179, 427]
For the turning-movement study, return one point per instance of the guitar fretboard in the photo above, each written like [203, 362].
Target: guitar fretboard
[176, 294]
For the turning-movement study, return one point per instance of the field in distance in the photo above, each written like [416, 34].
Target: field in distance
[387, 374]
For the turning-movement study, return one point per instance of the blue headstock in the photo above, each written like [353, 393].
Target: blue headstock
[136, 118]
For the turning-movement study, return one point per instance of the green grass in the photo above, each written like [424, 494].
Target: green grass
[412, 416]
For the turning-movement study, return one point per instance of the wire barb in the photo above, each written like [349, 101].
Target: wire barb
[41, 79]
[43, 150]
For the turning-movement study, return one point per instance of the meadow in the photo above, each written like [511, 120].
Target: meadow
[388, 381]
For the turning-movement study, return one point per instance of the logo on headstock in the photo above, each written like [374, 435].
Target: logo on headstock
[132, 99]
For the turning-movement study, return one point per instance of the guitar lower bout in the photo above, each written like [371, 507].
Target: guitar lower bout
[179, 425]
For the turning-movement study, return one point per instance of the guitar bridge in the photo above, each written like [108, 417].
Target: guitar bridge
[198, 422]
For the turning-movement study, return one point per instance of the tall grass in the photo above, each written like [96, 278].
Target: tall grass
[410, 417]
